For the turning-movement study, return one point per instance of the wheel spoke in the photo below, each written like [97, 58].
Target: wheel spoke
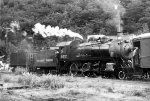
[73, 69]
[121, 75]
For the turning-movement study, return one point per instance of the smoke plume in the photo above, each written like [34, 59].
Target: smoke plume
[53, 31]
[116, 10]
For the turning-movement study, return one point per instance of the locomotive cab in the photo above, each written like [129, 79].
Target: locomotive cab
[141, 59]
[136, 55]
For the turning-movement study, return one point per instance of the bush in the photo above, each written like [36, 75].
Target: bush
[20, 70]
[47, 81]
[7, 78]
[138, 93]
[110, 89]
[33, 80]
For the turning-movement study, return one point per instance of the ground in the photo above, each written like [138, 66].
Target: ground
[79, 89]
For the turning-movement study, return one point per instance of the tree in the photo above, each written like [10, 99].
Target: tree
[145, 28]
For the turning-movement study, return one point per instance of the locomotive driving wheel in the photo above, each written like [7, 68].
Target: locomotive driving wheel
[86, 69]
[73, 69]
[121, 75]
[146, 75]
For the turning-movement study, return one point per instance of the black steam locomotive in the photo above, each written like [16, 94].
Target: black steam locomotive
[120, 58]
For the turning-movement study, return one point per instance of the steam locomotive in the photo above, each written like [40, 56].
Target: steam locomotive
[120, 58]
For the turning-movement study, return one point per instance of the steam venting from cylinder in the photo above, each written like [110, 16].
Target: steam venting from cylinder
[47, 31]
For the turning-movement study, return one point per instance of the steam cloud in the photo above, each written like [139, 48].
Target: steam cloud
[116, 10]
[15, 25]
[53, 31]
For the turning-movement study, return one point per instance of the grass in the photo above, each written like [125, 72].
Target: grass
[33, 80]
[47, 81]
[138, 93]
[7, 78]
[110, 89]
[19, 70]
[72, 88]
[0, 76]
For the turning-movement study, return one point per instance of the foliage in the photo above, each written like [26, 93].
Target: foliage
[85, 17]
[137, 14]
[63, 13]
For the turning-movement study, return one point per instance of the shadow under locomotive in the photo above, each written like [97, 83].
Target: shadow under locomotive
[120, 58]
